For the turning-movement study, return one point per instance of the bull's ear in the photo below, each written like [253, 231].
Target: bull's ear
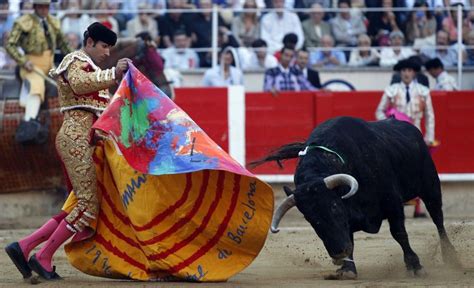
[288, 191]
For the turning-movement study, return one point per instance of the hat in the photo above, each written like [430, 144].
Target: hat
[42, 2]
[99, 32]
[434, 63]
[407, 64]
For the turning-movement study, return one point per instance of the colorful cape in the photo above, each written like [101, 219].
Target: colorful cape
[174, 205]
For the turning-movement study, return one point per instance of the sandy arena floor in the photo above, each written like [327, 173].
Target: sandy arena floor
[296, 257]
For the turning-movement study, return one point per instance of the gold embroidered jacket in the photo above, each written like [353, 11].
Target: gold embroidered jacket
[29, 35]
[81, 84]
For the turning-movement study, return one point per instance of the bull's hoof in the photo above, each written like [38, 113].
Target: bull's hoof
[417, 273]
[342, 275]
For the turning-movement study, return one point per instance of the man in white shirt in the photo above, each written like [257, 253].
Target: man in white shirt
[259, 57]
[444, 81]
[226, 73]
[180, 56]
[347, 27]
[275, 25]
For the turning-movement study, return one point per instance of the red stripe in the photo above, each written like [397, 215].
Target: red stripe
[220, 231]
[108, 246]
[159, 217]
[117, 233]
[170, 210]
[212, 208]
[187, 218]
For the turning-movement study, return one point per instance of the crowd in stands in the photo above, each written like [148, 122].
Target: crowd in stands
[257, 37]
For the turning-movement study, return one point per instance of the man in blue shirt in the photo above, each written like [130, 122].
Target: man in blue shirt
[329, 57]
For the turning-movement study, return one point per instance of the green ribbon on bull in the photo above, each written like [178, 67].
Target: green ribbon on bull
[302, 153]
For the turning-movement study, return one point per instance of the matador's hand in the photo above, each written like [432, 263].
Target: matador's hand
[121, 68]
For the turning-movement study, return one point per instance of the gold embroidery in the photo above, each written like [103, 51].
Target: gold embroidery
[72, 143]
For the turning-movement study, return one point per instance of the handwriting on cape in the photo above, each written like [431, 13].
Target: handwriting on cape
[129, 192]
[237, 234]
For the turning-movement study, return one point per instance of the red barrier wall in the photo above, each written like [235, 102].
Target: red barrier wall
[208, 108]
[289, 117]
[453, 113]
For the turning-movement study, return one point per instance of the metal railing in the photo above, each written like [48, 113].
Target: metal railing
[216, 10]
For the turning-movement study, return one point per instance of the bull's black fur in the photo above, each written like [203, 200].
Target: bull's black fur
[392, 165]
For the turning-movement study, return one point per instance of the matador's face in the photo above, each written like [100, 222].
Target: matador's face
[41, 9]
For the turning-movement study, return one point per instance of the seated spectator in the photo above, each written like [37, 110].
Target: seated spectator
[225, 74]
[470, 50]
[275, 25]
[6, 18]
[389, 56]
[143, 22]
[364, 55]
[446, 53]
[105, 18]
[74, 40]
[329, 57]
[305, 4]
[421, 26]
[381, 24]
[201, 32]
[172, 22]
[346, 27]
[260, 58]
[314, 28]
[444, 81]
[302, 60]
[449, 24]
[246, 27]
[6, 62]
[74, 22]
[290, 40]
[284, 77]
[180, 56]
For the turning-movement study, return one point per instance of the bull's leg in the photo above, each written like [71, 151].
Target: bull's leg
[348, 269]
[396, 220]
[433, 205]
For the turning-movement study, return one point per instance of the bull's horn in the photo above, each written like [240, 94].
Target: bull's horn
[281, 211]
[342, 179]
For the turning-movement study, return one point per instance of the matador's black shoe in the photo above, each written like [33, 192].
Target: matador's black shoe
[35, 265]
[16, 255]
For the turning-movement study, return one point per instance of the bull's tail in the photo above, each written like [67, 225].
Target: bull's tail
[285, 152]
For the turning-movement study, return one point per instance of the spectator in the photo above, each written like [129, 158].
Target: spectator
[446, 53]
[143, 22]
[105, 18]
[225, 38]
[6, 20]
[314, 28]
[6, 62]
[381, 24]
[421, 26]
[444, 81]
[290, 40]
[470, 50]
[180, 56]
[74, 22]
[260, 58]
[449, 24]
[364, 55]
[275, 25]
[305, 4]
[302, 60]
[284, 77]
[246, 27]
[74, 40]
[172, 22]
[345, 27]
[226, 73]
[201, 32]
[389, 56]
[329, 57]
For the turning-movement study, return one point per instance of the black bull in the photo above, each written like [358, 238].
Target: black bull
[385, 164]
